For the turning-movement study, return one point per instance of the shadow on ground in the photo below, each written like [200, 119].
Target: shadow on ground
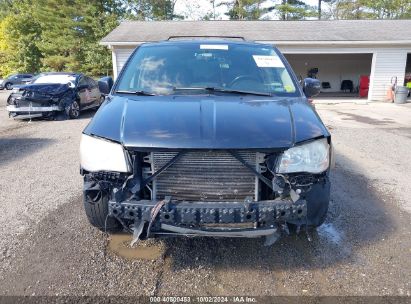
[13, 149]
[63, 248]
[357, 217]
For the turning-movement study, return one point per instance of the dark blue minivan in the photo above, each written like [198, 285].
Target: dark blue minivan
[206, 137]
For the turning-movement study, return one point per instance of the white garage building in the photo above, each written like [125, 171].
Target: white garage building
[340, 50]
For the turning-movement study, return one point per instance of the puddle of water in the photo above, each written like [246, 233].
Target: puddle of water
[330, 233]
[120, 245]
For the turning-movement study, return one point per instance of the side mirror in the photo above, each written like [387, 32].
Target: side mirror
[311, 87]
[105, 84]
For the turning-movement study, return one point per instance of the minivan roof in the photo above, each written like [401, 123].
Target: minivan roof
[205, 40]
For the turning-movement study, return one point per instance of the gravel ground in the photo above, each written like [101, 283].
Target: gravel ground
[364, 248]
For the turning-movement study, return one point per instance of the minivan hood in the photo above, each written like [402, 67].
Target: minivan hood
[206, 122]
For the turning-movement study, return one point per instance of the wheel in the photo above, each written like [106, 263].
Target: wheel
[9, 100]
[8, 86]
[73, 110]
[97, 211]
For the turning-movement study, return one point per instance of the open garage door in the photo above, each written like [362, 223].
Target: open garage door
[339, 73]
[407, 78]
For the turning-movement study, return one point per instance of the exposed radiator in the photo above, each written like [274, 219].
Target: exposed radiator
[205, 176]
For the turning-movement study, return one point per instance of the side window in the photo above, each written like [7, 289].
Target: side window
[82, 81]
[91, 83]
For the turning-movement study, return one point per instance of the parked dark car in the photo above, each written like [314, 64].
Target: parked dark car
[206, 138]
[54, 93]
[15, 79]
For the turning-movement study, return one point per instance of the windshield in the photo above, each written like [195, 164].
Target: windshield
[170, 68]
[62, 79]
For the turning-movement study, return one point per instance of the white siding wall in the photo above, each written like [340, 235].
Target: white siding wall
[386, 63]
[121, 55]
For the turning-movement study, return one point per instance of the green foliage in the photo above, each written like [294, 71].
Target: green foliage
[244, 9]
[294, 10]
[256, 9]
[56, 35]
[150, 10]
[6, 54]
[300, 10]
[369, 9]
[64, 35]
[19, 35]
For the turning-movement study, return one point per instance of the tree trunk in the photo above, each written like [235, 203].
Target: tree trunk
[319, 9]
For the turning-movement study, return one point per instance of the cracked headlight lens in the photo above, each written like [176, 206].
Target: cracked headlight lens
[313, 157]
[97, 154]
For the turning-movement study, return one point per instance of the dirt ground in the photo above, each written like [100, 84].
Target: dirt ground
[364, 248]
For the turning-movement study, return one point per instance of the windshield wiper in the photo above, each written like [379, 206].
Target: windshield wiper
[140, 93]
[222, 90]
[238, 91]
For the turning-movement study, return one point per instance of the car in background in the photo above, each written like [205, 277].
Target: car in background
[206, 138]
[54, 93]
[15, 79]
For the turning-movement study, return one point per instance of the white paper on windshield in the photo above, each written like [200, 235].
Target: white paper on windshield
[268, 61]
[214, 47]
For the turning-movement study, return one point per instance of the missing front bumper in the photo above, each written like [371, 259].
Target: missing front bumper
[199, 217]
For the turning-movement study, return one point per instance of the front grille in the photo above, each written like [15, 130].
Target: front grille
[205, 176]
[36, 95]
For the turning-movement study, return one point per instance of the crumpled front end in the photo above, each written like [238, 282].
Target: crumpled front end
[221, 193]
[24, 103]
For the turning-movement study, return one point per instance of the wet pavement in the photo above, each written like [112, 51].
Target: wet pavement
[364, 247]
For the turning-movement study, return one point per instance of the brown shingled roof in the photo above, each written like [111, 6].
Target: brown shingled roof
[281, 31]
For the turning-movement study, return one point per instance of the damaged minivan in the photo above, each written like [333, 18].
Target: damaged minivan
[206, 137]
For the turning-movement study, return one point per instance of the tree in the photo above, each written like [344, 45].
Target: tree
[387, 9]
[293, 10]
[19, 34]
[5, 7]
[244, 9]
[258, 9]
[101, 17]
[6, 53]
[369, 9]
[71, 32]
[151, 10]
[64, 35]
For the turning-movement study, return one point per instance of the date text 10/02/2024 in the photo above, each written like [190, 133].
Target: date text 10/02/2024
[205, 299]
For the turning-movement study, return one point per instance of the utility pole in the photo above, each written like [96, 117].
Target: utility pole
[213, 2]
[319, 9]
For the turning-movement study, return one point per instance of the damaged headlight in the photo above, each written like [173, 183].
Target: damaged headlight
[97, 154]
[313, 157]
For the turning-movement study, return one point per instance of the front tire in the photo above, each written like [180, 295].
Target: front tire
[73, 110]
[8, 86]
[97, 214]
